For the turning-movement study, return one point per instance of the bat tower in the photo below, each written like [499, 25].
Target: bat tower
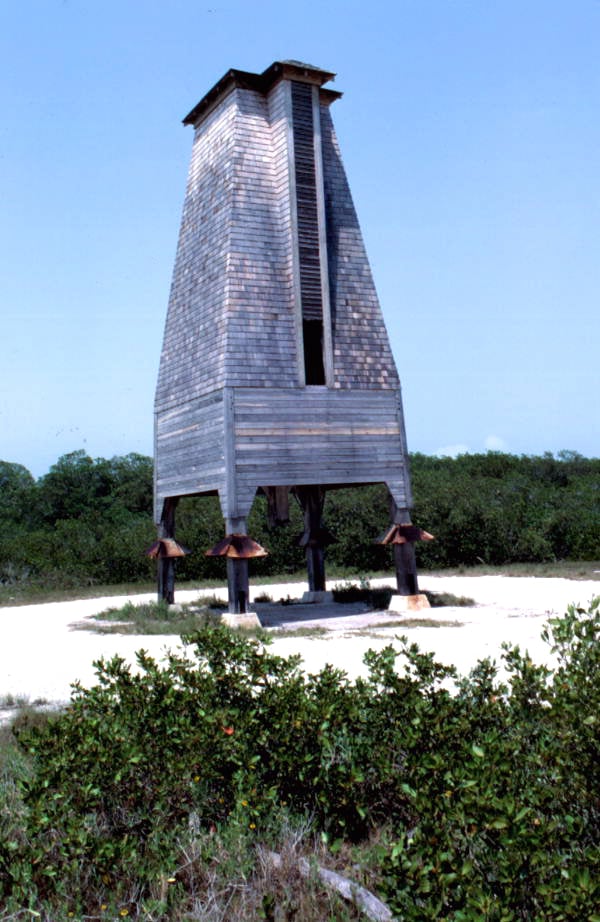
[276, 372]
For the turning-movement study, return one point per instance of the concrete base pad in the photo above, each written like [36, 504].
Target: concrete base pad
[248, 619]
[321, 598]
[408, 602]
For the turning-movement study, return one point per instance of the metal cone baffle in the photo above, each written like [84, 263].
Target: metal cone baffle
[404, 534]
[164, 548]
[239, 547]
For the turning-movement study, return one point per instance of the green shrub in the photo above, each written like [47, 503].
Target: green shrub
[487, 790]
[507, 818]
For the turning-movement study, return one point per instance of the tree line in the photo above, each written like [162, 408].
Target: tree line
[90, 520]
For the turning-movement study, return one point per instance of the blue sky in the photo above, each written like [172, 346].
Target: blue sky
[470, 133]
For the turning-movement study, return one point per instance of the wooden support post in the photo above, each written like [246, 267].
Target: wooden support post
[315, 566]
[404, 555]
[166, 565]
[312, 499]
[238, 585]
[406, 569]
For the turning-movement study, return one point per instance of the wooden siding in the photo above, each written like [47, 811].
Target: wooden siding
[189, 450]
[194, 339]
[261, 338]
[317, 435]
[362, 355]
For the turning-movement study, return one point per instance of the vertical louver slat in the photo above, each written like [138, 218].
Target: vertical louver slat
[306, 202]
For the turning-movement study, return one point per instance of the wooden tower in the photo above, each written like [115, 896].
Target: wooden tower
[276, 370]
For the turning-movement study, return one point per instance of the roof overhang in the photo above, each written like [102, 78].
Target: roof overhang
[263, 83]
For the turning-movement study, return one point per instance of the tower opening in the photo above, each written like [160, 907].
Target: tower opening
[312, 334]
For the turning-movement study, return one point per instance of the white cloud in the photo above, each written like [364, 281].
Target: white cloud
[452, 451]
[495, 443]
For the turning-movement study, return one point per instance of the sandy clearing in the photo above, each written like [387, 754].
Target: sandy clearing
[41, 654]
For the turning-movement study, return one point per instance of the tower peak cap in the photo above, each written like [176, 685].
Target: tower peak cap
[303, 65]
[278, 70]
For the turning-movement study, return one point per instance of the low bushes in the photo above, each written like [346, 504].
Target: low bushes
[484, 795]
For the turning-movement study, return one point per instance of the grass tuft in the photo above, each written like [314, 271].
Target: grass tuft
[447, 599]
[154, 618]
[376, 598]
[263, 597]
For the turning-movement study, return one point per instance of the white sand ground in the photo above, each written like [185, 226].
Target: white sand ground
[41, 653]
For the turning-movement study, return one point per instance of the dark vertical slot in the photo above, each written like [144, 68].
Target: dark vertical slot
[314, 370]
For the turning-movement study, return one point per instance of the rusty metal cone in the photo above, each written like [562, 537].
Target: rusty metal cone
[238, 546]
[403, 534]
[166, 547]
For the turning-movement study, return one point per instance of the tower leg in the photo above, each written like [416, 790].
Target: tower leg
[315, 566]
[407, 596]
[404, 555]
[238, 587]
[312, 499]
[406, 569]
[166, 565]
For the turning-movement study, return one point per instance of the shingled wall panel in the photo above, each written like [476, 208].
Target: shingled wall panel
[361, 350]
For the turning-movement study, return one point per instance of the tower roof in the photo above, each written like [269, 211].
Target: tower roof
[278, 70]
